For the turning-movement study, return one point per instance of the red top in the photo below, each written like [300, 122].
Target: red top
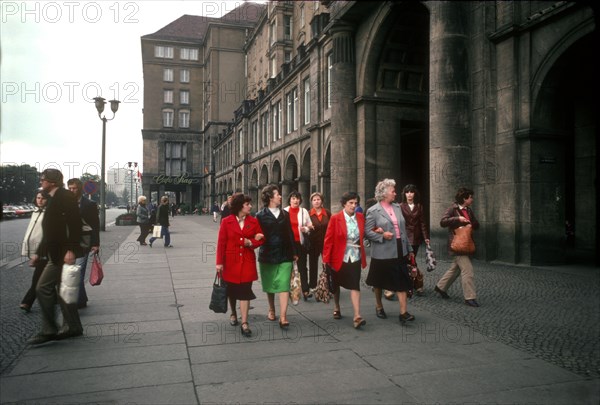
[294, 221]
[239, 261]
[336, 239]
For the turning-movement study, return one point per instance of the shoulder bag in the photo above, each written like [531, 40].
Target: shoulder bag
[462, 242]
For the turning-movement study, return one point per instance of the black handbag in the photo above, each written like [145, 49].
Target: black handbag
[218, 299]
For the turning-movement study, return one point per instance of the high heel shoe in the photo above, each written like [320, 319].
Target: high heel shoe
[284, 324]
[246, 332]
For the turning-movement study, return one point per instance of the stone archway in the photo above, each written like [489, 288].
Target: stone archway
[238, 183]
[290, 178]
[264, 176]
[253, 188]
[276, 173]
[304, 180]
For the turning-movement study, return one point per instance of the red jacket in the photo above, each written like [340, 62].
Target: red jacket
[335, 240]
[239, 262]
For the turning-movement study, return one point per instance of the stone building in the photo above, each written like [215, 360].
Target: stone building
[338, 95]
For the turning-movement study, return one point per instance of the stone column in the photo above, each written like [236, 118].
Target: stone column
[343, 113]
[303, 189]
[449, 123]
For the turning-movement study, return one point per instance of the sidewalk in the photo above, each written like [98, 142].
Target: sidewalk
[151, 339]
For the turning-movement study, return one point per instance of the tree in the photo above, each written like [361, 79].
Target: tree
[111, 198]
[18, 183]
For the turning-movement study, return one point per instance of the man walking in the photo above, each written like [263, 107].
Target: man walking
[90, 234]
[60, 242]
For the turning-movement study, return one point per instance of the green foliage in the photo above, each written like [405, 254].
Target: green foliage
[18, 183]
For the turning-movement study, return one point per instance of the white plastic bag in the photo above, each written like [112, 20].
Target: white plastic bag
[69, 283]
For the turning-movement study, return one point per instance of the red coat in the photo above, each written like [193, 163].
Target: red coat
[335, 240]
[239, 261]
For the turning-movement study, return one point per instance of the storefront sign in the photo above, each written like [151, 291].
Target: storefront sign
[182, 179]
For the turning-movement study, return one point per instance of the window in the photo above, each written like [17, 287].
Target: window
[265, 129]
[287, 56]
[167, 118]
[163, 52]
[273, 32]
[184, 76]
[277, 121]
[168, 96]
[175, 158]
[240, 142]
[184, 119]
[188, 54]
[255, 136]
[287, 27]
[306, 101]
[329, 79]
[168, 75]
[184, 97]
[302, 15]
[292, 110]
[273, 66]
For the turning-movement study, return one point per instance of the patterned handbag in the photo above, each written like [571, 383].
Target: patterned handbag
[295, 286]
[324, 290]
[430, 258]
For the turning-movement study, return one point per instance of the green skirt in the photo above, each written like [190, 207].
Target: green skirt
[275, 278]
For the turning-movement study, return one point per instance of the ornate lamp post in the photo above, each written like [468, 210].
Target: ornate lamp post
[132, 166]
[114, 106]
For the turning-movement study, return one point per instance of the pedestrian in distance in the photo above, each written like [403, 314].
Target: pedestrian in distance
[31, 242]
[143, 220]
[344, 253]
[390, 249]
[278, 253]
[301, 227]
[215, 210]
[226, 208]
[90, 234]
[61, 228]
[239, 235]
[459, 214]
[319, 217]
[162, 219]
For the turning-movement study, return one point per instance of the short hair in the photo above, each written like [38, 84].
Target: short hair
[238, 201]
[75, 181]
[267, 193]
[164, 198]
[316, 194]
[381, 189]
[413, 189]
[141, 199]
[462, 194]
[347, 196]
[53, 176]
[296, 194]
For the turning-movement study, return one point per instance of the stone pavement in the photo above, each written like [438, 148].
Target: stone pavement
[151, 339]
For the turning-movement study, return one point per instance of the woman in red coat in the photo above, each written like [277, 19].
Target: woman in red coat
[344, 253]
[239, 235]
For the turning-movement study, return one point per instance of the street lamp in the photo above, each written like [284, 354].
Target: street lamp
[114, 106]
[131, 170]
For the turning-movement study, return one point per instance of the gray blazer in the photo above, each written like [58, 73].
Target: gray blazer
[382, 248]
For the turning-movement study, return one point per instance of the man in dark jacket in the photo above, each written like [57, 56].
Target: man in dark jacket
[90, 234]
[61, 234]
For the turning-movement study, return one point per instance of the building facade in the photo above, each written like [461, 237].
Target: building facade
[337, 95]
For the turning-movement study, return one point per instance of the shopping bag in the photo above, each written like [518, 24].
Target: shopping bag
[156, 231]
[218, 299]
[295, 286]
[96, 275]
[462, 242]
[324, 290]
[430, 258]
[69, 283]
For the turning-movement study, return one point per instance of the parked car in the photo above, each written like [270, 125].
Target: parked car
[8, 212]
[122, 207]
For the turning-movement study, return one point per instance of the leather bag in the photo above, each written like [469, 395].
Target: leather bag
[462, 242]
[96, 275]
[218, 299]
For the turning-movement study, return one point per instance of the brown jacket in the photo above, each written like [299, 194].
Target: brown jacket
[416, 228]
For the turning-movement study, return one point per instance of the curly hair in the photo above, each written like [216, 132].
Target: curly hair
[462, 194]
[382, 188]
[267, 193]
[238, 201]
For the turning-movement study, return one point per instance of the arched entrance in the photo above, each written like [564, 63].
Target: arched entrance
[290, 179]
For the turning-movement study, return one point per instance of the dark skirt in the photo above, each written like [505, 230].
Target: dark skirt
[240, 292]
[389, 274]
[348, 276]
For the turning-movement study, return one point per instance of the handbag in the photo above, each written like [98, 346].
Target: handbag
[218, 299]
[416, 276]
[324, 290]
[295, 287]
[156, 231]
[96, 275]
[462, 242]
[430, 258]
[69, 283]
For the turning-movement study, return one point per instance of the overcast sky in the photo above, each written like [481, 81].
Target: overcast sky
[57, 56]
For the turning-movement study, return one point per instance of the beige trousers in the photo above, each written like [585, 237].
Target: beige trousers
[460, 266]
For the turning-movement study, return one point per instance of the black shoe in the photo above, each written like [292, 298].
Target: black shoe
[406, 317]
[246, 332]
[380, 313]
[41, 339]
[472, 303]
[25, 307]
[70, 334]
[167, 246]
[441, 293]
[150, 243]
[82, 305]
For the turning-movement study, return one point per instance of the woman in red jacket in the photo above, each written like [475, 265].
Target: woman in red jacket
[344, 253]
[239, 235]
